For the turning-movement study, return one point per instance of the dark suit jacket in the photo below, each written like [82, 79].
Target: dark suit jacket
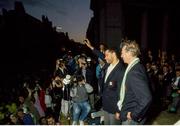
[110, 88]
[110, 94]
[137, 95]
[61, 74]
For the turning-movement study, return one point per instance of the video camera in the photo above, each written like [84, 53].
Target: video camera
[70, 80]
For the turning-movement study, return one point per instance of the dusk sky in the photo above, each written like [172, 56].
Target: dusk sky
[72, 15]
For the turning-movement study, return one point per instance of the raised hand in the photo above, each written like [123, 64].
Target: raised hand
[88, 44]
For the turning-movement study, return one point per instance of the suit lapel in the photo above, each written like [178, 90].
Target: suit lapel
[112, 73]
[105, 70]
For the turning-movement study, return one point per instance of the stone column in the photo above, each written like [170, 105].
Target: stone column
[144, 31]
[165, 33]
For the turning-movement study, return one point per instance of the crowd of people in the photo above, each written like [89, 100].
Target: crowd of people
[124, 84]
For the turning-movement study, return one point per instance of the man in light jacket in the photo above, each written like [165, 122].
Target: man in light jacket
[79, 94]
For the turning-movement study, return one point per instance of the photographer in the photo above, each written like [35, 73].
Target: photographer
[65, 103]
[61, 69]
[57, 96]
[89, 76]
[79, 94]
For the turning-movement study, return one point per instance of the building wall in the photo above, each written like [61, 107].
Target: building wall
[111, 23]
[108, 21]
